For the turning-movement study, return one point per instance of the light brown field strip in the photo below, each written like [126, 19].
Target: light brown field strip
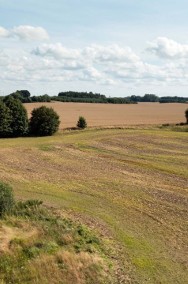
[116, 115]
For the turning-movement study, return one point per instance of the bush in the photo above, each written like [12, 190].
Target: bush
[44, 121]
[30, 208]
[82, 122]
[6, 199]
[186, 115]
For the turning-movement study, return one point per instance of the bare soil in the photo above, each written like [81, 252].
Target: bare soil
[116, 115]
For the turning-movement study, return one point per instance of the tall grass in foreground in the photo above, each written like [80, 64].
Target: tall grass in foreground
[39, 246]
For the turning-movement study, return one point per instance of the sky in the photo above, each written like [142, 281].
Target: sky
[113, 47]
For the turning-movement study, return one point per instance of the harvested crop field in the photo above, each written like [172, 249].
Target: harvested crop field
[128, 184]
[116, 115]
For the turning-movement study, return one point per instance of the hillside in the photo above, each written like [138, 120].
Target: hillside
[129, 185]
[39, 245]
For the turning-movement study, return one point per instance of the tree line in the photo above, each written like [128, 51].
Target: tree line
[25, 97]
[86, 97]
[154, 98]
[89, 97]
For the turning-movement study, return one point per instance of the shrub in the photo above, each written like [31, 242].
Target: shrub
[19, 119]
[6, 199]
[186, 115]
[82, 122]
[44, 121]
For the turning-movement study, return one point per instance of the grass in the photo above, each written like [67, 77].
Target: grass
[40, 246]
[129, 184]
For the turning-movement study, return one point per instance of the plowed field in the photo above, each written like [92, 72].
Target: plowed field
[116, 115]
[130, 184]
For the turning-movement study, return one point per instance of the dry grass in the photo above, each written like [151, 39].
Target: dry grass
[7, 234]
[116, 115]
[130, 184]
[38, 245]
[75, 268]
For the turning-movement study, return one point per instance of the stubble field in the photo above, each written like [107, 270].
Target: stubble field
[116, 115]
[128, 184]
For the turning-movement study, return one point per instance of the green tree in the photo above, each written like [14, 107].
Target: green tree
[82, 122]
[6, 199]
[5, 121]
[22, 95]
[19, 119]
[44, 121]
[186, 115]
[150, 98]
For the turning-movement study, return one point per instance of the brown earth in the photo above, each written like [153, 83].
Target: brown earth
[116, 115]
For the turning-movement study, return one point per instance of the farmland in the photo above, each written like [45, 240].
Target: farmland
[129, 185]
[116, 115]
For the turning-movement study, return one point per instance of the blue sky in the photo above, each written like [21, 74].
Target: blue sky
[118, 48]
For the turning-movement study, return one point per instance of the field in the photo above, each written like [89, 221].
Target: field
[130, 185]
[116, 115]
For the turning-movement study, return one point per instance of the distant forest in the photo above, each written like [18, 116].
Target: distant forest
[89, 97]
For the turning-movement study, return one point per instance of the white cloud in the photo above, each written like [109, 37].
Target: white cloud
[98, 53]
[4, 59]
[95, 64]
[112, 53]
[168, 48]
[30, 33]
[91, 74]
[4, 32]
[89, 63]
[25, 33]
[57, 51]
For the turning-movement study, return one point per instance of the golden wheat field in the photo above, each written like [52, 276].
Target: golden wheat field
[116, 115]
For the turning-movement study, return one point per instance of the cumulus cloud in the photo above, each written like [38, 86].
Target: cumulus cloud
[4, 59]
[168, 48]
[57, 51]
[25, 33]
[112, 53]
[4, 32]
[90, 62]
[97, 64]
[30, 33]
[91, 74]
[97, 53]
[108, 64]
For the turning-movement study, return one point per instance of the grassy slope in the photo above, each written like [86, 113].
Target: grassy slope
[40, 246]
[132, 180]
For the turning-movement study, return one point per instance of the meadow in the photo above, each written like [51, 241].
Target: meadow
[116, 115]
[128, 185]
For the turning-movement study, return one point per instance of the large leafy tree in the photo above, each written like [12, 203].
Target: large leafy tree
[44, 121]
[5, 121]
[19, 119]
[22, 95]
